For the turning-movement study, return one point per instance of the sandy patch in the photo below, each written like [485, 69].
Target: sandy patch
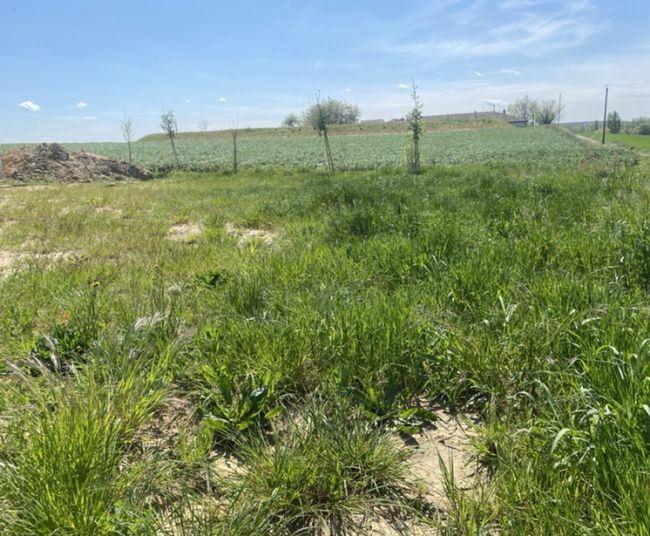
[175, 417]
[245, 235]
[184, 232]
[4, 225]
[109, 210]
[11, 261]
[7, 259]
[449, 442]
[31, 187]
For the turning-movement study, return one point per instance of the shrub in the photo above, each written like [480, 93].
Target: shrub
[643, 129]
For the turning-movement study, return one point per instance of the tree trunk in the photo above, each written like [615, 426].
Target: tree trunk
[328, 152]
[234, 154]
[175, 153]
[416, 155]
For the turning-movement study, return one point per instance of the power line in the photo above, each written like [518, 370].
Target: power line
[596, 96]
[634, 95]
[582, 93]
[642, 83]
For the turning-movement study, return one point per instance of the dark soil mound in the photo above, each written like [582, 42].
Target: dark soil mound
[53, 162]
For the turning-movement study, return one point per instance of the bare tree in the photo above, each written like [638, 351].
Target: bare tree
[203, 125]
[127, 133]
[547, 111]
[234, 131]
[291, 121]
[170, 127]
[525, 108]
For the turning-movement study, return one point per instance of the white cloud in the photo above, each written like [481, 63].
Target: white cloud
[581, 85]
[223, 99]
[90, 118]
[403, 86]
[476, 73]
[513, 72]
[81, 105]
[188, 101]
[347, 90]
[527, 29]
[29, 105]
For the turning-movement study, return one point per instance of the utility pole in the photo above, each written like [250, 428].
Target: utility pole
[559, 109]
[605, 116]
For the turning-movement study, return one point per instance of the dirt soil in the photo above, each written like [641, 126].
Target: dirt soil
[448, 442]
[184, 232]
[53, 162]
[11, 261]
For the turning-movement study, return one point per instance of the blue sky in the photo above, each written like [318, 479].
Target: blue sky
[70, 69]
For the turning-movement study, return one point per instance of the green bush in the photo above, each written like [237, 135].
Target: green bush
[643, 129]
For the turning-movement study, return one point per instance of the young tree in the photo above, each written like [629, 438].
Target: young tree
[291, 121]
[546, 112]
[127, 133]
[414, 121]
[320, 122]
[170, 127]
[333, 112]
[524, 108]
[203, 125]
[614, 123]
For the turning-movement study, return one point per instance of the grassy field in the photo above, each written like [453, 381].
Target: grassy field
[633, 140]
[257, 354]
[531, 147]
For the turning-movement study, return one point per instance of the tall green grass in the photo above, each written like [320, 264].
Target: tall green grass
[517, 294]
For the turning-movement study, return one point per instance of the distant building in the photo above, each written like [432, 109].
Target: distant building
[515, 121]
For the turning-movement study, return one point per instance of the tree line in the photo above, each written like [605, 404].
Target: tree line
[615, 125]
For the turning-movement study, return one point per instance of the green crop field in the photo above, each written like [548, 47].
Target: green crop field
[283, 351]
[507, 146]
